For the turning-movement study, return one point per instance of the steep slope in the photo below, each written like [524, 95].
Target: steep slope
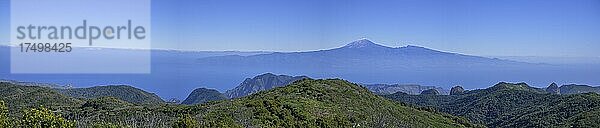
[385, 89]
[202, 95]
[512, 105]
[553, 88]
[260, 83]
[457, 90]
[123, 92]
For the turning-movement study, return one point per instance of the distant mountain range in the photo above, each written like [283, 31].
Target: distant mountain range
[553, 60]
[576, 89]
[364, 61]
[360, 55]
[385, 89]
[174, 72]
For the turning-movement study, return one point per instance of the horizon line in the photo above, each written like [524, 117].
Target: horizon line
[274, 51]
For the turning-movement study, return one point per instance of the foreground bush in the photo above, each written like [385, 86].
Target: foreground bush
[44, 118]
[3, 115]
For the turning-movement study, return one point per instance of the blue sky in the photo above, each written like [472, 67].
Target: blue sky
[476, 27]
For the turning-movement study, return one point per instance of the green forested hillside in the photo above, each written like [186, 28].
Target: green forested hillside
[306, 103]
[321, 103]
[19, 97]
[514, 105]
[123, 92]
[259, 83]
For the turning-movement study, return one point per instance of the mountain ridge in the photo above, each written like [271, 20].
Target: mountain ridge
[513, 105]
[124, 92]
[261, 82]
[414, 89]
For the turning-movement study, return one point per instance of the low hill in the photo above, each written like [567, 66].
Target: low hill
[123, 92]
[18, 97]
[202, 95]
[513, 105]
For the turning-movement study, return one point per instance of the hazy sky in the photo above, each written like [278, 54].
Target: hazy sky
[476, 27]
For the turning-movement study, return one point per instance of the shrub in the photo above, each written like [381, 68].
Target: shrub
[44, 118]
[3, 115]
[186, 121]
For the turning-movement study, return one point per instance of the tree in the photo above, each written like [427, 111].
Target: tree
[107, 125]
[186, 121]
[44, 118]
[3, 115]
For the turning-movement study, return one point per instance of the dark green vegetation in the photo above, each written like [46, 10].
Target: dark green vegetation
[19, 98]
[123, 92]
[321, 103]
[186, 121]
[33, 118]
[203, 95]
[43, 118]
[105, 103]
[430, 92]
[514, 105]
[305, 103]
